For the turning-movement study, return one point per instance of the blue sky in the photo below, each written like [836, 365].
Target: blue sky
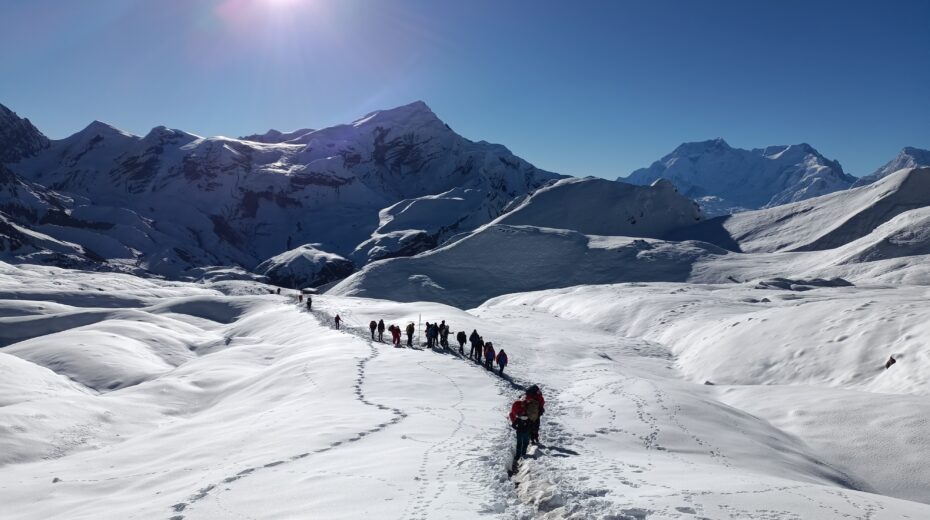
[582, 88]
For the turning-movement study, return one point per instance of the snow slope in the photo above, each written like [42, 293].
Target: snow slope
[733, 179]
[821, 223]
[305, 266]
[268, 412]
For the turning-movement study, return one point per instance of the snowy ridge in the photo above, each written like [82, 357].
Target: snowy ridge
[909, 157]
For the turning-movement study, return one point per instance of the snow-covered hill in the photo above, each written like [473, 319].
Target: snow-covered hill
[909, 157]
[172, 201]
[726, 180]
[822, 223]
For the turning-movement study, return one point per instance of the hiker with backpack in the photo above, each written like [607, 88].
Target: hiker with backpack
[381, 331]
[520, 422]
[461, 338]
[373, 325]
[395, 335]
[501, 361]
[479, 350]
[535, 411]
[410, 330]
[489, 356]
[309, 304]
[338, 320]
[428, 330]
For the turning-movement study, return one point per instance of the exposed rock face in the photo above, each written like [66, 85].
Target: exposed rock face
[18, 137]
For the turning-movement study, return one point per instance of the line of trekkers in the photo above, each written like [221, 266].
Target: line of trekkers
[525, 412]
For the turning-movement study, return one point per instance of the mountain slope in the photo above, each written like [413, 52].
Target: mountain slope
[725, 179]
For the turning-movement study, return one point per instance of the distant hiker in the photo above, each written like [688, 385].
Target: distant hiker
[395, 335]
[373, 325]
[479, 350]
[461, 338]
[279, 291]
[338, 320]
[501, 361]
[891, 361]
[473, 339]
[520, 422]
[410, 330]
[381, 330]
[309, 302]
[427, 330]
[489, 356]
[536, 406]
[300, 298]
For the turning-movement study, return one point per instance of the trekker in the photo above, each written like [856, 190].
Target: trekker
[444, 334]
[373, 325]
[519, 420]
[309, 303]
[535, 408]
[461, 338]
[338, 321]
[300, 298]
[278, 291]
[410, 329]
[502, 361]
[395, 335]
[479, 350]
[473, 338]
[381, 330]
[489, 356]
[429, 337]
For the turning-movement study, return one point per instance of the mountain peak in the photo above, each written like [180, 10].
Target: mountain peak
[698, 147]
[97, 127]
[417, 113]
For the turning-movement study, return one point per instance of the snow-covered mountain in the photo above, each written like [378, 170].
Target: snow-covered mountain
[726, 180]
[908, 157]
[171, 201]
[276, 136]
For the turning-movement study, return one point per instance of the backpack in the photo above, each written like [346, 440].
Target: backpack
[532, 409]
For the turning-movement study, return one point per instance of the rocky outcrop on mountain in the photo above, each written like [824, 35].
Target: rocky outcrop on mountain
[18, 137]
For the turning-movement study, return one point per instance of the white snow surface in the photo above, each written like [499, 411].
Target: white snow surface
[139, 398]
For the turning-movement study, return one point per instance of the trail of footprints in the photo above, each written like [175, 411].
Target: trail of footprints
[397, 416]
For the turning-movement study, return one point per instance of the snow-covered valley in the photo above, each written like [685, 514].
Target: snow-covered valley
[137, 398]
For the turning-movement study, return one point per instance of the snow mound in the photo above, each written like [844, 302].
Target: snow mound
[305, 266]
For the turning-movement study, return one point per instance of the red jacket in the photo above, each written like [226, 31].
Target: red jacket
[517, 410]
